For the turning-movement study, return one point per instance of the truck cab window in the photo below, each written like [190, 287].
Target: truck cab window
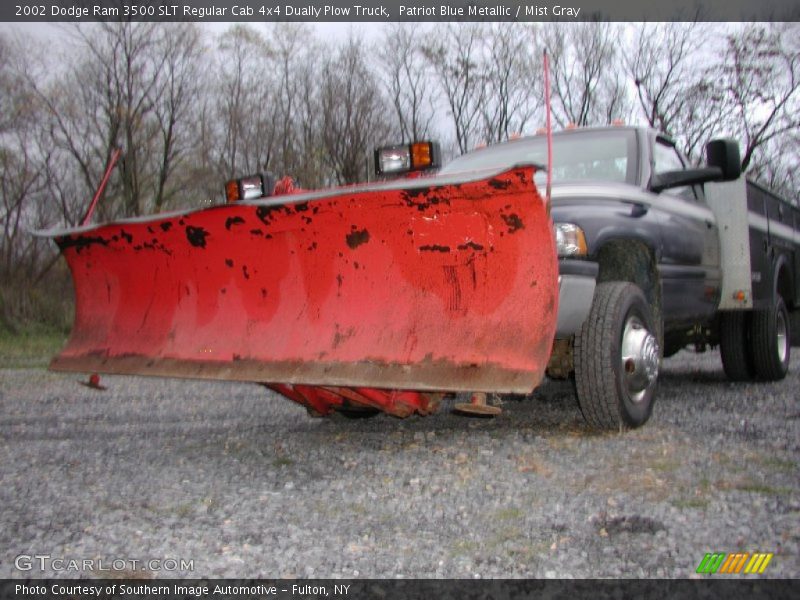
[666, 158]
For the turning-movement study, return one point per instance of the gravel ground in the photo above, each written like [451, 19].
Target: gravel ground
[246, 484]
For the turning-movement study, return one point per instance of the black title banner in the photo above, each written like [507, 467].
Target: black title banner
[404, 10]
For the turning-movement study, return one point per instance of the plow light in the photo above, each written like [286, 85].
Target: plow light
[417, 156]
[252, 186]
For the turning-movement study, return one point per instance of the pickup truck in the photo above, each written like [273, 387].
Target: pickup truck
[389, 295]
[655, 255]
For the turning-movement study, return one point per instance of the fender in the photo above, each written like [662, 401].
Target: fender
[780, 263]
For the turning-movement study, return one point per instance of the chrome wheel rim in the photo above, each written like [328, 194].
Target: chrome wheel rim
[781, 336]
[639, 359]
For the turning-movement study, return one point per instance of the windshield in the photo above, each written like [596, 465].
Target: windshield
[577, 156]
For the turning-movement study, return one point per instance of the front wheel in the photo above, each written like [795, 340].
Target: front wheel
[617, 358]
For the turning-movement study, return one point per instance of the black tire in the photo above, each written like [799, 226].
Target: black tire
[614, 392]
[794, 327]
[771, 339]
[734, 346]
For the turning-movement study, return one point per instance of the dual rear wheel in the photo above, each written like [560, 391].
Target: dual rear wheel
[756, 345]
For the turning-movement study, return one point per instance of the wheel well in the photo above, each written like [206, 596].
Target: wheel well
[635, 262]
[784, 285]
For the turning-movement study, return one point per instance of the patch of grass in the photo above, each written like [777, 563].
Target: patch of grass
[761, 488]
[778, 464]
[648, 483]
[503, 536]
[357, 508]
[236, 448]
[684, 503]
[529, 552]
[665, 465]
[562, 443]
[463, 548]
[731, 464]
[282, 461]
[509, 514]
[748, 484]
[30, 349]
[184, 510]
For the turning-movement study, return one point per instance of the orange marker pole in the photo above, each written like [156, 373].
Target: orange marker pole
[549, 128]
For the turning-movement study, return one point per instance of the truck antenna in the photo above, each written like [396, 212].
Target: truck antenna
[548, 127]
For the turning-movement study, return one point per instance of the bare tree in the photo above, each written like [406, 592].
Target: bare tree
[406, 80]
[513, 81]
[587, 85]
[760, 78]
[294, 64]
[175, 99]
[353, 112]
[84, 123]
[310, 168]
[24, 190]
[21, 164]
[454, 56]
[21, 177]
[122, 73]
[130, 87]
[663, 66]
[9, 102]
[243, 108]
[669, 64]
[776, 165]
[702, 118]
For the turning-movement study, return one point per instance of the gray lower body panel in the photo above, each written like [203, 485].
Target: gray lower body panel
[576, 283]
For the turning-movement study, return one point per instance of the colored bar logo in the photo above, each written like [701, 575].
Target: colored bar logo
[734, 564]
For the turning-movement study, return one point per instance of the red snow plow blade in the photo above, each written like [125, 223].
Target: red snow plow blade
[435, 284]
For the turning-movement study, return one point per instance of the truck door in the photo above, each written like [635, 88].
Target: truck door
[690, 261]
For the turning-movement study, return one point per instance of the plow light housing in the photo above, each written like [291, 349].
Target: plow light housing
[404, 158]
[252, 186]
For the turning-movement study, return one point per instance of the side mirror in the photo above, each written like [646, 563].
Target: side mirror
[724, 154]
[672, 179]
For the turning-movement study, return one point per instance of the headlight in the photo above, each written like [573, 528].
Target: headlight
[570, 240]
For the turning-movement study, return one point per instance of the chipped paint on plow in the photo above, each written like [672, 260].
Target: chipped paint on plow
[433, 291]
